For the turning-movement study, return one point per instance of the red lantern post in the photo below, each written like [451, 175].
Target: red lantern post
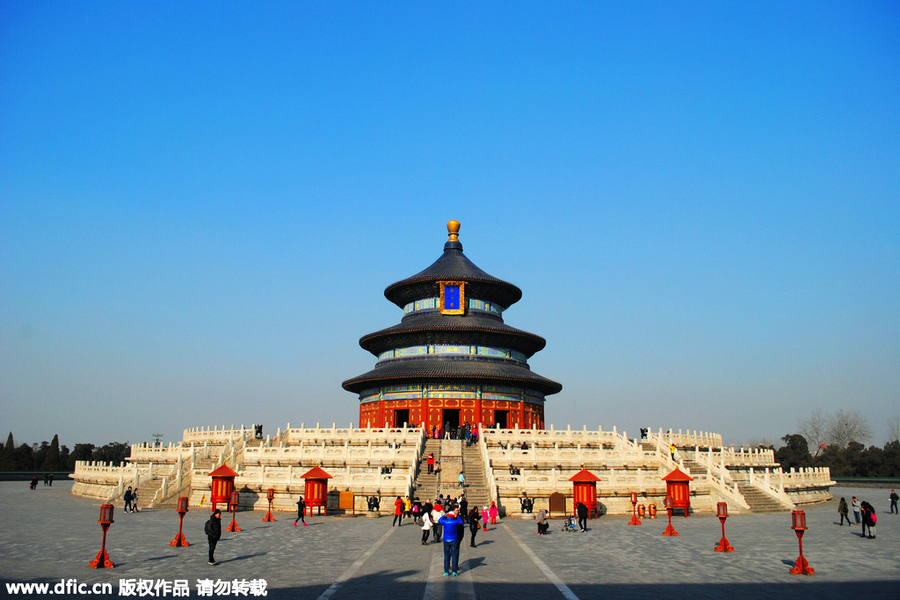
[634, 518]
[670, 506]
[798, 524]
[232, 506]
[270, 495]
[106, 519]
[181, 510]
[722, 513]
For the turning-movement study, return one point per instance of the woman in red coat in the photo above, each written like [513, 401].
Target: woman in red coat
[398, 512]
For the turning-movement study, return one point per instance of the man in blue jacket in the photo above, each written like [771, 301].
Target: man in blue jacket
[453, 527]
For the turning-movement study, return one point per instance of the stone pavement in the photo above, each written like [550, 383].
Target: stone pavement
[48, 535]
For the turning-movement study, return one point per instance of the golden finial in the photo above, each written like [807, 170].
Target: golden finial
[453, 230]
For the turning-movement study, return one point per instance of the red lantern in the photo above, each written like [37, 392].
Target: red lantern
[181, 510]
[232, 506]
[670, 505]
[722, 513]
[634, 518]
[798, 524]
[270, 495]
[106, 519]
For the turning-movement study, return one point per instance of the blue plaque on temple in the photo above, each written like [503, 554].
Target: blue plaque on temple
[451, 297]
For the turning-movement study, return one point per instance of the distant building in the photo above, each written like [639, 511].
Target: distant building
[452, 359]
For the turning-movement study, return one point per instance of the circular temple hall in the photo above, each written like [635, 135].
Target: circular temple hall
[451, 359]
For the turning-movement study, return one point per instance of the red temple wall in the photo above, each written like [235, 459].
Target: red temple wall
[427, 412]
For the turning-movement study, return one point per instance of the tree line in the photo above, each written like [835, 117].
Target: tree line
[837, 441]
[50, 456]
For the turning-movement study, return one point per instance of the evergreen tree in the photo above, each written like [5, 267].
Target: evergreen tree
[51, 456]
[8, 460]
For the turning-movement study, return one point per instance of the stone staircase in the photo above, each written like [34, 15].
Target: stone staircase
[759, 501]
[476, 484]
[427, 485]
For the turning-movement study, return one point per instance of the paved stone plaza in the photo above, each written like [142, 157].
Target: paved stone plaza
[48, 535]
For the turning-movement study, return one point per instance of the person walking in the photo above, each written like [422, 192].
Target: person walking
[127, 499]
[854, 503]
[301, 512]
[541, 520]
[134, 501]
[452, 526]
[485, 517]
[436, 514]
[582, 511]
[844, 512]
[407, 507]
[473, 525]
[213, 530]
[398, 512]
[430, 462]
[894, 497]
[427, 526]
[464, 507]
[462, 480]
[493, 512]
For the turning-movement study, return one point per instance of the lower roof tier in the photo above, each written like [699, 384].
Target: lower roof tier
[456, 370]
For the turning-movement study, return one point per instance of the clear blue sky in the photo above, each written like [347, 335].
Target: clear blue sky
[201, 204]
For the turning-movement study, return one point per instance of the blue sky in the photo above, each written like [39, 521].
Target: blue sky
[202, 203]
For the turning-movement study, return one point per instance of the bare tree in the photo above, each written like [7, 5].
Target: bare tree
[815, 429]
[893, 429]
[848, 426]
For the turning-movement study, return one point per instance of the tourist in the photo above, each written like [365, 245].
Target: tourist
[451, 525]
[541, 521]
[672, 451]
[436, 514]
[485, 517]
[493, 512]
[134, 500]
[582, 510]
[463, 507]
[407, 507]
[867, 521]
[894, 497]
[869, 518]
[213, 530]
[462, 480]
[427, 525]
[301, 512]
[51, 479]
[430, 462]
[844, 512]
[46, 479]
[473, 525]
[34, 482]
[398, 512]
[127, 499]
[417, 510]
[854, 503]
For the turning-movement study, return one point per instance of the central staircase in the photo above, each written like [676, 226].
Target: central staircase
[427, 485]
[477, 491]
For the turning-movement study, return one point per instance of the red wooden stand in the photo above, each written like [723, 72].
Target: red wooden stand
[270, 495]
[634, 518]
[722, 513]
[106, 519]
[798, 524]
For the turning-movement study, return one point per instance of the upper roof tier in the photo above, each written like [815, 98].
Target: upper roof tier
[453, 266]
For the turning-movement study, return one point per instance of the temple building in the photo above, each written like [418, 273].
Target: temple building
[452, 359]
